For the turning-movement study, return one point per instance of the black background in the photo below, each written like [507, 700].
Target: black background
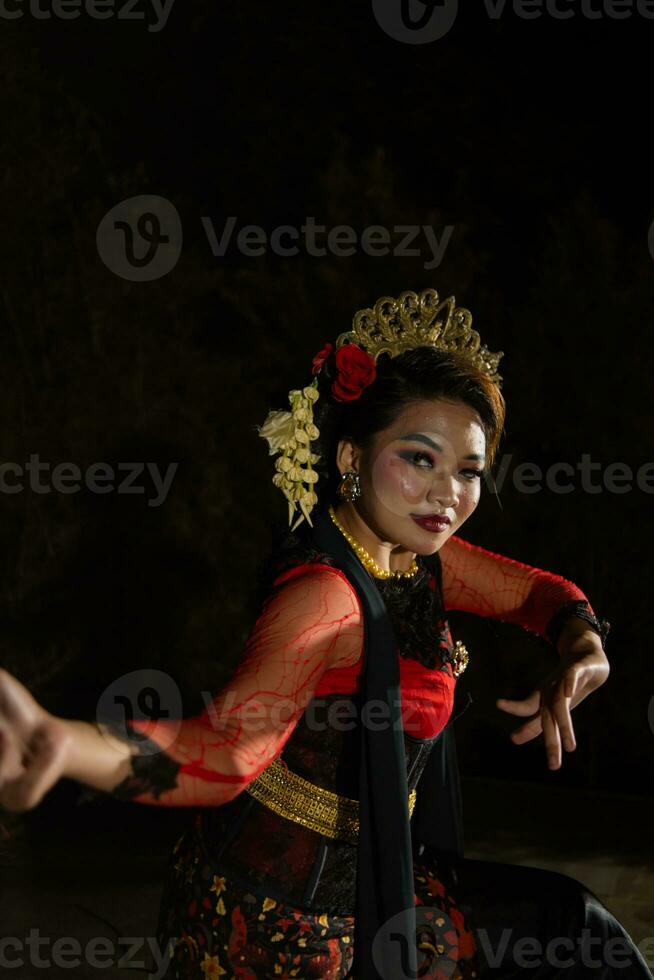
[529, 137]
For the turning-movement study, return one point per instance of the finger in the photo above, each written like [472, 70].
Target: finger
[532, 728]
[17, 706]
[525, 707]
[552, 739]
[561, 710]
[526, 732]
[43, 769]
[10, 756]
[24, 791]
[570, 684]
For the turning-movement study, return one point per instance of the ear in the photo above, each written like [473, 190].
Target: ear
[347, 456]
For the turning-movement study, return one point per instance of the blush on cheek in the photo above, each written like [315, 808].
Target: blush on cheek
[398, 484]
[468, 501]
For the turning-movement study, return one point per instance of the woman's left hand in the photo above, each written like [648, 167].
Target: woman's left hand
[583, 668]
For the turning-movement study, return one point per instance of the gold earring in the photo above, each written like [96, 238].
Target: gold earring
[350, 486]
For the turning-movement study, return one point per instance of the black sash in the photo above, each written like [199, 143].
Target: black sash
[385, 886]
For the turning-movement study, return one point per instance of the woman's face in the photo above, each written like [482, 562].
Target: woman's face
[429, 462]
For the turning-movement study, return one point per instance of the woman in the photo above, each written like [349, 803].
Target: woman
[327, 843]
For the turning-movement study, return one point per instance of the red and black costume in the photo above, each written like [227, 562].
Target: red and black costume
[253, 894]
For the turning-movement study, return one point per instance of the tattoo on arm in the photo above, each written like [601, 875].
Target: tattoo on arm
[153, 770]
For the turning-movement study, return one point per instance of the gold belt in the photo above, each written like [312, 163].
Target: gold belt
[297, 799]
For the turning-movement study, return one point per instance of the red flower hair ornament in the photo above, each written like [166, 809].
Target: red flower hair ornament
[356, 369]
[321, 357]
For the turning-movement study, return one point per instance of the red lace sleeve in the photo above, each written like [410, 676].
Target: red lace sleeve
[480, 581]
[310, 621]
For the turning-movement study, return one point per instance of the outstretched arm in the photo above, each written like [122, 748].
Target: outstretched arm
[483, 582]
[310, 621]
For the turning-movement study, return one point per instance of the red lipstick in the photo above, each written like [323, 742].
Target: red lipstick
[436, 523]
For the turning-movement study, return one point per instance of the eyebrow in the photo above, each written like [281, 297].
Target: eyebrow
[419, 437]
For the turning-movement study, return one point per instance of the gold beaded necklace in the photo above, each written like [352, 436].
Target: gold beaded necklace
[366, 558]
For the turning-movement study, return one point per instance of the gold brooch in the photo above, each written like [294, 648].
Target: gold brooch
[459, 658]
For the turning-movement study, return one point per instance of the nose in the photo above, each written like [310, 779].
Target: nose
[443, 493]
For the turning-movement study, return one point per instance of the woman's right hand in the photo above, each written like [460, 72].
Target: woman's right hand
[33, 747]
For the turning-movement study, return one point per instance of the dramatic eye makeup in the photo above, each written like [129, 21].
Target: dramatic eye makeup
[426, 461]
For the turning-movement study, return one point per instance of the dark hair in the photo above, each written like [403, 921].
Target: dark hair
[420, 374]
[423, 373]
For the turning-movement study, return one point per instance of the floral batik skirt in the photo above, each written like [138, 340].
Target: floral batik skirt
[212, 924]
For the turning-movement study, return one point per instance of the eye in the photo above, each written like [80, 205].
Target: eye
[476, 474]
[415, 456]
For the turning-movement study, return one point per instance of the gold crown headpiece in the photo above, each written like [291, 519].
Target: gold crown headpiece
[391, 327]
